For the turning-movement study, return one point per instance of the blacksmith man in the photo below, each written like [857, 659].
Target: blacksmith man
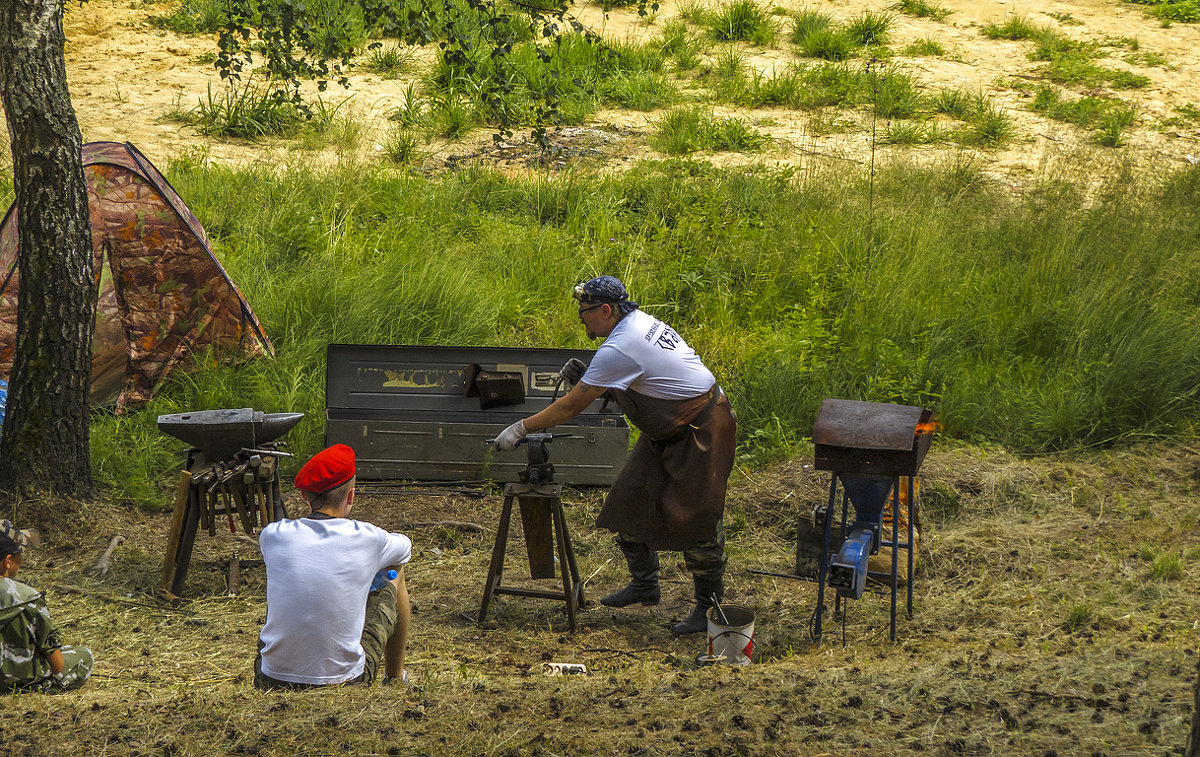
[670, 495]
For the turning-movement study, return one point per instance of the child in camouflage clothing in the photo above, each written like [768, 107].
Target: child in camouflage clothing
[31, 656]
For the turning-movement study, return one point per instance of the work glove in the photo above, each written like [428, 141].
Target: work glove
[572, 371]
[508, 438]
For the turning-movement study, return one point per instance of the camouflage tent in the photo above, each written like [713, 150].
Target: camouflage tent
[164, 295]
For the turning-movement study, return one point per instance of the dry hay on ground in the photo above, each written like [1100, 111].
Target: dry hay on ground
[1040, 628]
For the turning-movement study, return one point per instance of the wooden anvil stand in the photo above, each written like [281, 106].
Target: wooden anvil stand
[543, 522]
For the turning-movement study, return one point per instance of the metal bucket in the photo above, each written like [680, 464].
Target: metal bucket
[733, 640]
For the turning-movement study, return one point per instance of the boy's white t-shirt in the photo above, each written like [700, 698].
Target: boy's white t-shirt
[646, 355]
[318, 575]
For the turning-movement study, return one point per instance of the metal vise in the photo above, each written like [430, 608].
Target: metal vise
[538, 468]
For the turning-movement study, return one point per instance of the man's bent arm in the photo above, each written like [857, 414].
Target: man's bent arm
[565, 407]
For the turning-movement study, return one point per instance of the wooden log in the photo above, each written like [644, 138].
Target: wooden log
[183, 491]
[539, 536]
[235, 574]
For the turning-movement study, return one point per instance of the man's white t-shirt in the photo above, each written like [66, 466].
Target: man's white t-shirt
[645, 355]
[318, 575]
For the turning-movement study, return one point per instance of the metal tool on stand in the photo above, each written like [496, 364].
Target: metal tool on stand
[543, 522]
[232, 470]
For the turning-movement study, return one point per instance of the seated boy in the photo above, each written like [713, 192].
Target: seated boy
[31, 656]
[325, 623]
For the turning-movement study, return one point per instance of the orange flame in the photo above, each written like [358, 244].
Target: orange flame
[928, 427]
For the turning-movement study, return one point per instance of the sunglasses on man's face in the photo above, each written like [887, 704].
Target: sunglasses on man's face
[593, 307]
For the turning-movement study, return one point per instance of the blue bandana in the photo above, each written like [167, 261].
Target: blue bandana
[606, 289]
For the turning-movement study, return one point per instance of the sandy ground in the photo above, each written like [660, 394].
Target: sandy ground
[125, 75]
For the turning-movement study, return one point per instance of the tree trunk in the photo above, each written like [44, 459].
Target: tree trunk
[44, 446]
[1193, 742]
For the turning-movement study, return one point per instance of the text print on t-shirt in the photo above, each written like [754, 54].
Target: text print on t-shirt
[667, 340]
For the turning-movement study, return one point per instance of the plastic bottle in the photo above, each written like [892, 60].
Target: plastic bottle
[381, 578]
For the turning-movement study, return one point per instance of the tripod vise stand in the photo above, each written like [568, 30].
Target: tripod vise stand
[543, 523]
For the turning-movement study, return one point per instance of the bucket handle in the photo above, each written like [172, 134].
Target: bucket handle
[731, 632]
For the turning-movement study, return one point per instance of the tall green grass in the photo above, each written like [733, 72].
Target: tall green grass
[248, 109]
[1059, 316]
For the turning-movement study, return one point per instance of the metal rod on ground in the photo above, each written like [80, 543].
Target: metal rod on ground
[461, 525]
[792, 576]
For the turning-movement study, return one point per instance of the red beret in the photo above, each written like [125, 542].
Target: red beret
[328, 469]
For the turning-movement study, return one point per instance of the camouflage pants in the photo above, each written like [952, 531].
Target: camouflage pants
[705, 560]
[76, 670]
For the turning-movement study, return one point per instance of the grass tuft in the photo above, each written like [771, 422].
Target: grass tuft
[680, 45]
[987, 124]
[405, 148]
[870, 28]
[390, 61]
[830, 44]
[690, 129]
[1108, 117]
[954, 102]
[642, 91]
[1070, 62]
[895, 95]
[452, 118]
[911, 133]
[1113, 123]
[922, 9]
[1013, 28]
[1079, 617]
[927, 47]
[1167, 566]
[742, 21]
[807, 22]
[247, 110]
[193, 17]
[991, 127]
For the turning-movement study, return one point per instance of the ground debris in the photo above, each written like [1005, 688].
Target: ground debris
[565, 145]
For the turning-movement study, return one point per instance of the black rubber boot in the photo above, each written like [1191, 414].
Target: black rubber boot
[643, 567]
[697, 619]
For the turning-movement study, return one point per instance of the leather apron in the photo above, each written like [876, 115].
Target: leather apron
[670, 494]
